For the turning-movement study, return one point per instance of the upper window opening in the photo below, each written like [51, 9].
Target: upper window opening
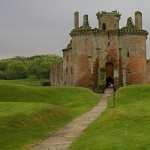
[128, 54]
[104, 26]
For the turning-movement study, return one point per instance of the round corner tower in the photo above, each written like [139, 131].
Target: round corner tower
[81, 36]
[133, 45]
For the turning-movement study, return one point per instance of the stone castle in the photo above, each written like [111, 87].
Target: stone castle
[104, 56]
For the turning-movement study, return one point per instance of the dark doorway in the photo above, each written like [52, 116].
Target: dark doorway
[109, 75]
[109, 82]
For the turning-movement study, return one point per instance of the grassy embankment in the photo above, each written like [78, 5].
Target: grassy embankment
[29, 113]
[125, 127]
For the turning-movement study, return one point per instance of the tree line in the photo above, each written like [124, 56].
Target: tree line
[27, 67]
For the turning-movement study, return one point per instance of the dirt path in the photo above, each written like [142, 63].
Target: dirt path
[62, 139]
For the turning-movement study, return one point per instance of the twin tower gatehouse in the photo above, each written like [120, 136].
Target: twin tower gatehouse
[104, 56]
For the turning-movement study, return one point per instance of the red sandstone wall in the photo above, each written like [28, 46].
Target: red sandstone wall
[82, 48]
[134, 52]
[84, 72]
[136, 70]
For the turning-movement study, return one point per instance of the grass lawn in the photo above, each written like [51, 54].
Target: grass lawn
[125, 127]
[29, 113]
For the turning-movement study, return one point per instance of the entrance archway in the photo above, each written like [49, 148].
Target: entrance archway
[109, 75]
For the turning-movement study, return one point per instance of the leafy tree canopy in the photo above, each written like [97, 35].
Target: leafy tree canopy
[24, 67]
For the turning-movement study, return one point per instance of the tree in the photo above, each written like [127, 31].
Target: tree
[16, 70]
[22, 67]
[2, 75]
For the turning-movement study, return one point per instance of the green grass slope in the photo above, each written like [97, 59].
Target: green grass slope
[29, 113]
[125, 127]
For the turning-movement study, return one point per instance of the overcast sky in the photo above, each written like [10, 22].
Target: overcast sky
[29, 27]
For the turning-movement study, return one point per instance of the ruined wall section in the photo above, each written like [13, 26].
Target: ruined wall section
[56, 76]
[68, 67]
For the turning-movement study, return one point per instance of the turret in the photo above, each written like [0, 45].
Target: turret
[138, 20]
[76, 20]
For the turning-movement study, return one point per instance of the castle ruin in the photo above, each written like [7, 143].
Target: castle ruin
[99, 57]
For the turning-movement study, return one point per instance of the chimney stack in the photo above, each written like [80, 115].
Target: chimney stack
[85, 21]
[138, 20]
[76, 20]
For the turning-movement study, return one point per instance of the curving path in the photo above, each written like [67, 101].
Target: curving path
[62, 139]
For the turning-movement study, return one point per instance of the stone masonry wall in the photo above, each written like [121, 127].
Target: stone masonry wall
[56, 75]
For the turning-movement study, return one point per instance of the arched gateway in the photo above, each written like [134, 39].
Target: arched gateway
[109, 74]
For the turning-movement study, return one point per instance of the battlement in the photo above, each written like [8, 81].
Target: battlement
[122, 31]
[109, 22]
[113, 13]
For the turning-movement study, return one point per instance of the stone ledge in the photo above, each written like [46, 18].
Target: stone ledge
[83, 31]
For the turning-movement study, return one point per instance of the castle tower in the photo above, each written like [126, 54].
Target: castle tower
[133, 44]
[81, 47]
[108, 20]
[138, 20]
